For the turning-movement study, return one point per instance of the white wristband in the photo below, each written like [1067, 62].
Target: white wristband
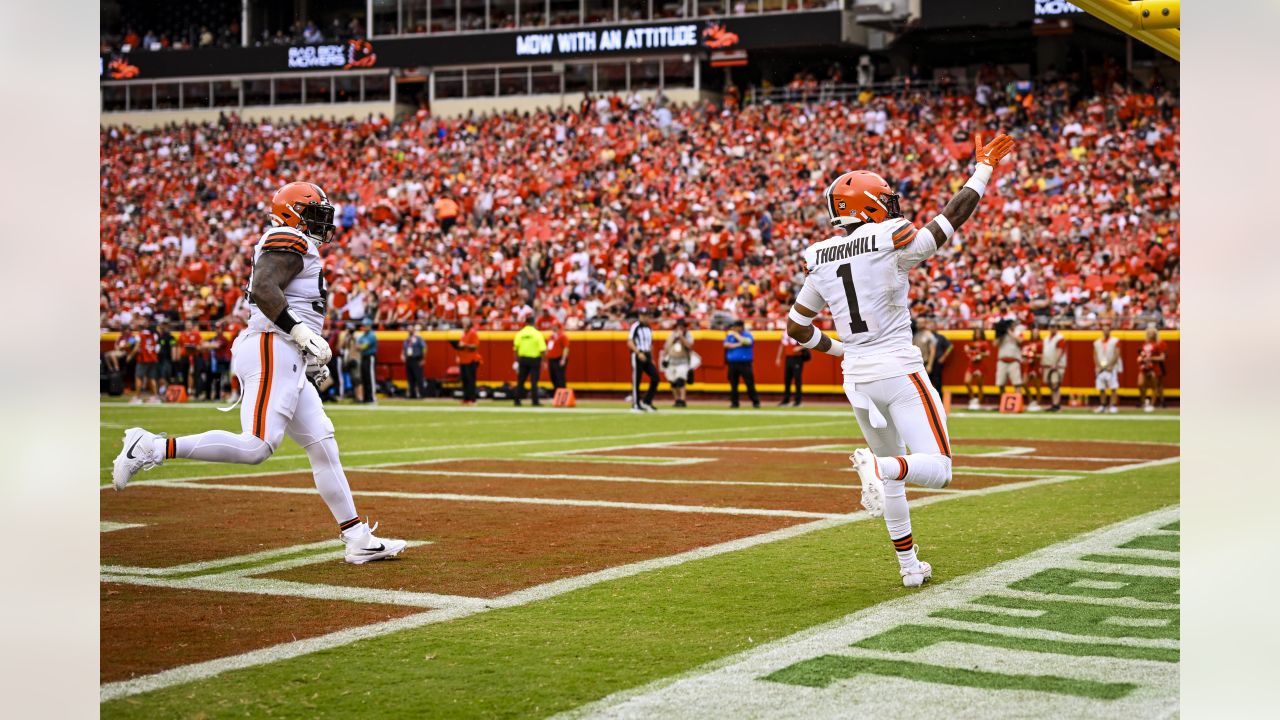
[945, 225]
[835, 350]
[814, 339]
[981, 176]
[799, 318]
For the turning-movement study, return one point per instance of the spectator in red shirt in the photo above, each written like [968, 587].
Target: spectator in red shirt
[794, 357]
[192, 364]
[557, 354]
[1151, 367]
[977, 350]
[469, 360]
[147, 371]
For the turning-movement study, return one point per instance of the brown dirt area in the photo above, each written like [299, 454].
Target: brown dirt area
[481, 549]
[184, 526]
[149, 629]
[491, 549]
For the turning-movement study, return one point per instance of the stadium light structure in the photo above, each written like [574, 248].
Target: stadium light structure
[1154, 22]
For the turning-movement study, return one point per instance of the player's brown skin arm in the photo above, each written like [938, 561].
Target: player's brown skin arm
[956, 212]
[273, 271]
[802, 333]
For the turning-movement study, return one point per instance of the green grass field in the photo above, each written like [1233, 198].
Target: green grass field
[659, 576]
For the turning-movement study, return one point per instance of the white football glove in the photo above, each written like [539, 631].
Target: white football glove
[312, 345]
[317, 374]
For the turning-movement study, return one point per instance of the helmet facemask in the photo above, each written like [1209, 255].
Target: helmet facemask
[318, 220]
[889, 201]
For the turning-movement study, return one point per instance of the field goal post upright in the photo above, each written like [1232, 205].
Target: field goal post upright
[1154, 22]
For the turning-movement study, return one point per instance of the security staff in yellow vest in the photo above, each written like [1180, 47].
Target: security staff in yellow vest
[530, 346]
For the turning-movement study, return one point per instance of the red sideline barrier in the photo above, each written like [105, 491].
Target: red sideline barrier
[599, 360]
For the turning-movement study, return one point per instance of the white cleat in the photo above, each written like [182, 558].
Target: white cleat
[363, 546]
[138, 454]
[975, 404]
[864, 461]
[1100, 409]
[1148, 408]
[916, 576]
[1114, 410]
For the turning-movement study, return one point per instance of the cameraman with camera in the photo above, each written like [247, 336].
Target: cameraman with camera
[679, 361]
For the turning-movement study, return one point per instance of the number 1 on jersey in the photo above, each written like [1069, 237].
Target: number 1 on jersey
[856, 323]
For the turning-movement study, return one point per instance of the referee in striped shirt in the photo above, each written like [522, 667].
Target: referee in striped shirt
[640, 342]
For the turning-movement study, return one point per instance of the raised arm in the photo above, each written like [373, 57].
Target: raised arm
[966, 200]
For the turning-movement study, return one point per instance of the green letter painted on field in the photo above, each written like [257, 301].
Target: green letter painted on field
[1101, 585]
[910, 638]
[1072, 618]
[826, 669]
[1168, 543]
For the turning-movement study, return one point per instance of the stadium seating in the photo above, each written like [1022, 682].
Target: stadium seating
[612, 207]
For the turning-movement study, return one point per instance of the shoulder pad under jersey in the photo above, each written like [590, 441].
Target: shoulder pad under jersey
[285, 239]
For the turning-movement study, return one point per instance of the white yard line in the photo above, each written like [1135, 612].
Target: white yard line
[206, 565]
[246, 580]
[276, 653]
[620, 479]
[455, 497]
[108, 526]
[1018, 452]
[540, 441]
[287, 588]
[1137, 466]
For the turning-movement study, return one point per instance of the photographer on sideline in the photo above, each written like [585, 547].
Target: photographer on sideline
[678, 361]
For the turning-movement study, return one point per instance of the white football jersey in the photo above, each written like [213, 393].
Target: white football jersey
[306, 293]
[862, 278]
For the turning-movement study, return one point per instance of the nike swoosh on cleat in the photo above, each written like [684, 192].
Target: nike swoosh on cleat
[129, 454]
[370, 551]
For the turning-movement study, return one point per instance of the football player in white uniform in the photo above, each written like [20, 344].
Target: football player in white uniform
[279, 358]
[861, 277]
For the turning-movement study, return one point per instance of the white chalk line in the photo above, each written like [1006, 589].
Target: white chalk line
[276, 653]
[456, 497]
[541, 441]
[107, 526]
[1138, 466]
[243, 580]
[207, 565]
[626, 479]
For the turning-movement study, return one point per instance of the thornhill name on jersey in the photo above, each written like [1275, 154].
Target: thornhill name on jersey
[844, 251]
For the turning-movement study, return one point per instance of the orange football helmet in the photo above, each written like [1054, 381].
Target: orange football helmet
[860, 197]
[304, 206]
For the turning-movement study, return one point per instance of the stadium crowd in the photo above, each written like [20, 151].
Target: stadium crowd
[581, 216]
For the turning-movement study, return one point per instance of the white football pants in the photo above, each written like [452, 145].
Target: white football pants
[896, 414]
[276, 399]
